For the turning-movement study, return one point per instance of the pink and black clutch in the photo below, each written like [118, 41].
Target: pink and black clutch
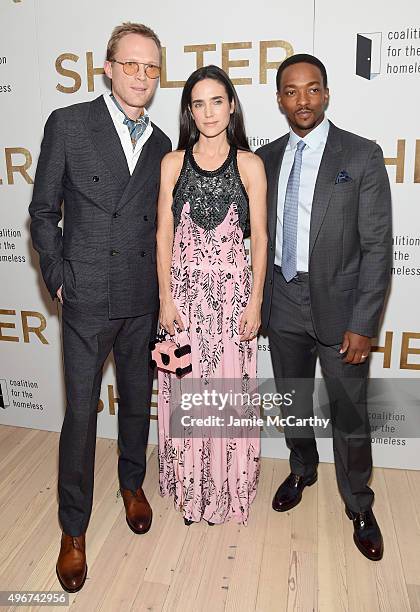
[172, 355]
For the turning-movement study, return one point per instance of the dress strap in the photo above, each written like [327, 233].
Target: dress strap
[238, 175]
[181, 174]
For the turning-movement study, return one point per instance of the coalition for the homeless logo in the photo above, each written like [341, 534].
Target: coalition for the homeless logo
[368, 55]
[392, 53]
[4, 394]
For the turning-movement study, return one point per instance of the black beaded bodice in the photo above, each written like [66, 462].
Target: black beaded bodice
[210, 193]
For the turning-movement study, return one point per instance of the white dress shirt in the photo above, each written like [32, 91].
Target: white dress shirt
[311, 160]
[122, 130]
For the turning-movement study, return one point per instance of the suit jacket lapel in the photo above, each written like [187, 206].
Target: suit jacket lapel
[146, 163]
[273, 173]
[331, 164]
[107, 141]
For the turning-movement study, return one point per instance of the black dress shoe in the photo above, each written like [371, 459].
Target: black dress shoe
[187, 522]
[289, 493]
[367, 535]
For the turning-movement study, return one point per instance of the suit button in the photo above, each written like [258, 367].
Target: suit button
[95, 179]
[145, 218]
[142, 253]
[115, 215]
[114, 252]
[271, 281]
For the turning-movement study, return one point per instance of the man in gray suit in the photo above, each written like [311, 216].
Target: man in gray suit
[102, 159]
[329, 265]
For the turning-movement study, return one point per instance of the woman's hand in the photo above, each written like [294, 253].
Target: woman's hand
[169, 315]
[250, 322]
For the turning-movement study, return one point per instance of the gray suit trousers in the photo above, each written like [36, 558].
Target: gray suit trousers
[88, 339]
[294, 351]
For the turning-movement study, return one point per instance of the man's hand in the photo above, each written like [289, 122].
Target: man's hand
[356, 346]
[250, 322]
[60, 294]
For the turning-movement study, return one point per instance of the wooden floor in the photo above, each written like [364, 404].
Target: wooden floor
[302, 560]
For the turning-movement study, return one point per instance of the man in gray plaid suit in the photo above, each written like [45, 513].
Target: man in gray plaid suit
[329, 264]
[102, 159]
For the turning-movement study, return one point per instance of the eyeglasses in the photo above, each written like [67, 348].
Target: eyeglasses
[132, 68]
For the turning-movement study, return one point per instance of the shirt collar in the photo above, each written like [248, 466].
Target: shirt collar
[316, 138]
[115, 111]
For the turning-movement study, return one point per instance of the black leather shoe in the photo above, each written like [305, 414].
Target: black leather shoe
[289, 493]
[367, 535]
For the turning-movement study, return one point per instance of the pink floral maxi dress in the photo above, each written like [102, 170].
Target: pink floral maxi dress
[211, 477]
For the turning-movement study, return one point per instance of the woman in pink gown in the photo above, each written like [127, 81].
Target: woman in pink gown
[211, 188]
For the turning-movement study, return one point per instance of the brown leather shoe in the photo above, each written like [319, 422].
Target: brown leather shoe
[137, 510]
[71, 565]
[367, 536]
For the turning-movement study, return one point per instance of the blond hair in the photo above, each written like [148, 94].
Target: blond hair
[129, 28]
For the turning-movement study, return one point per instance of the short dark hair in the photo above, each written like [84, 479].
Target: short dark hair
[300, 58]
[188, 132]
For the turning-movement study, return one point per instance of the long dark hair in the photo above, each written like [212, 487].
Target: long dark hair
[188, 132]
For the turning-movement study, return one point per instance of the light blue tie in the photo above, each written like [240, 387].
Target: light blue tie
[290, 217]
[135, 128]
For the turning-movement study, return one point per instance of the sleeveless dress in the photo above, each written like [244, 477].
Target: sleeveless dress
[210, 477]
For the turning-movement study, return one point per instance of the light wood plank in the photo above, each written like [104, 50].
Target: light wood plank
[26, 506]
[12, 445]
[168, 549]
[305, 521]
[10, 467]
[188, 573]
[222, 546]
[15, 434]
[150, 598]
[243, 584]
[29, 508]
[274, 573]
[5, 431]
[332, 578]
[303, 567]
[389, 571]
[404, 493]
[302, 582]
[414, 596]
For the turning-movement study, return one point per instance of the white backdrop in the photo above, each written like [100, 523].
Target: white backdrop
[51, 54]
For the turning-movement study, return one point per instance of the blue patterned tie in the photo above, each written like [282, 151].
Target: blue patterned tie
[135, 128]
[290, 217]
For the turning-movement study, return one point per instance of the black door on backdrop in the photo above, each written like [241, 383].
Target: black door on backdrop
[363, 57]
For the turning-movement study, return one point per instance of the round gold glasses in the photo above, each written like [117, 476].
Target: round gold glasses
[132, 68]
